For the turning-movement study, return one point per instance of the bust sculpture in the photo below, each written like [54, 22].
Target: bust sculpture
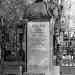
[39, 10]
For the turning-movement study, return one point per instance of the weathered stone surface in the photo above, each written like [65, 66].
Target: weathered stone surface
[38, 57]
[38, 47]
[38, 36]
[33, 73]
[69, 70]
[55, 70]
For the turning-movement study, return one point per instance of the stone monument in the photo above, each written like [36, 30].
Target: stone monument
[38, 47]
[40, 29]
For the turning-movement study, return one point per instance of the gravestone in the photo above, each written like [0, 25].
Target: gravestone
[38, 47]
[67, 70]
[12, 68]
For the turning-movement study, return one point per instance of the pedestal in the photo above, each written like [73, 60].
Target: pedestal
[39, 50]
[55, 70]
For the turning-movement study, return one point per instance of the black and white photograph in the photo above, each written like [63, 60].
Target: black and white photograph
[37, 37]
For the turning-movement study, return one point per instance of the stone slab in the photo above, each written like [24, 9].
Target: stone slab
[38, 36]
[55, 70]
[38, 47]
[70, 70]
[34, 73]
[38, 58]
[38, 69]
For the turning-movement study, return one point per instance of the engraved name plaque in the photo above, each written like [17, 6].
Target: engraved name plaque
[38, 36]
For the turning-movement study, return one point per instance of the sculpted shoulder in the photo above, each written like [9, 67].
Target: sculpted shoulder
[39, 10]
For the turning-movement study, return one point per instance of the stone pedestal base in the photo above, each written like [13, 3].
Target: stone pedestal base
[55, 70]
